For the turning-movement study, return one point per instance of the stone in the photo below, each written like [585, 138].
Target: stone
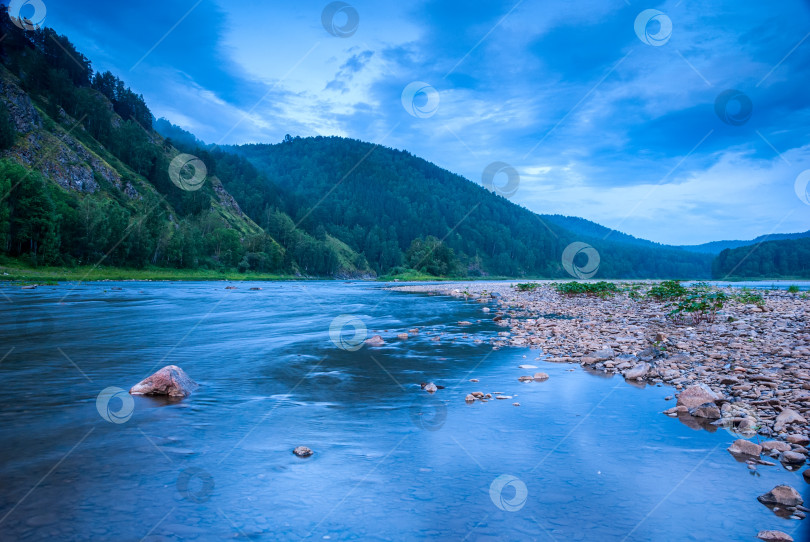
[801, 440]
[376, 340]
[706, 410]
[527, 366]
[541, 376]
[473, 380]
[792, 458]
[777, 445]
[478, 394]
[402, 336]
[170, 380]
[465, 323]
[781, 495]
[774, 536]
[526, 378]
[697, 395]
[745, 447]
[430, 387]
[806, 475]
[515, 404]
[504, 397]
[303, 451]
[638, 372]
[603, 354]
[786, 417]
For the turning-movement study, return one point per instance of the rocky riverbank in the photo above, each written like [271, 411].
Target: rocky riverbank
[746, 370]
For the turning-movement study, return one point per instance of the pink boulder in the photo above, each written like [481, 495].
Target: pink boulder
[170, 380]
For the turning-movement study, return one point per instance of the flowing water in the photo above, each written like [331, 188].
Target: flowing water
[584, 457]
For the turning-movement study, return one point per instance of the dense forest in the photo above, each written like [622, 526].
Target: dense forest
[788, 258]
[88, 177]
[85, 178]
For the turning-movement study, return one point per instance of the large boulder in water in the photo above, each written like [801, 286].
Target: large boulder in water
[695, 396]
[170, 380]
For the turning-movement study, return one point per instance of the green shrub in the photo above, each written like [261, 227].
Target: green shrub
[669, 290]
[700, 304]
[527, 286]
[749, 297]
[793, 289]
[601, 289]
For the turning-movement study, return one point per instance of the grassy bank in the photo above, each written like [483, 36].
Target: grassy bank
[89, 273]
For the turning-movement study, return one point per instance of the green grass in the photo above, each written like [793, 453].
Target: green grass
[748, 297]
[600, 289]
[793, 289]
[48, 275]
[411, 275]
[527, 286]
[668, 290]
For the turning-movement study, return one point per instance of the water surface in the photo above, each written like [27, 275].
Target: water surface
[597, 459]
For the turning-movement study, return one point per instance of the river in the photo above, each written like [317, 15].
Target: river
[584, 457]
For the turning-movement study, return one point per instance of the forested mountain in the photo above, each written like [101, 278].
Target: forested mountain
[378, 200]
[716, 247]
[788, 258]
[85, 179]
[89, 177]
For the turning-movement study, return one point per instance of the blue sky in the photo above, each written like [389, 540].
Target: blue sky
[598, 122]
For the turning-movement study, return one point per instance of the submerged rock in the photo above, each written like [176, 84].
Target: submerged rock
[781, 495]
[303, 451]
[170, 380]
[430, 387]
[540, 376]
[774, 536]
[745, 447]
[792, 458]
[470, 398]
[376, 340]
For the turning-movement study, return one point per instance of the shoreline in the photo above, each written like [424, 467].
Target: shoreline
[748, 371]
[757, 358]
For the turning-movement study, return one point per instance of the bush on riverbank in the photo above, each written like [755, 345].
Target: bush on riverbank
[600, 289]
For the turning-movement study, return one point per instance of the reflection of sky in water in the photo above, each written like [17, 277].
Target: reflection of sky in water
[598, 459]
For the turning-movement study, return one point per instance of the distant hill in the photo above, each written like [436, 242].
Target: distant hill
[716, 247]
[787, 258]
[592, 230]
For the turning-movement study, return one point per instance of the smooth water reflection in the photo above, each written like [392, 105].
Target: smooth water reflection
[597, 459]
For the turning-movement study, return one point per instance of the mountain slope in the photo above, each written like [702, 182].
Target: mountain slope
[787, 258]
[379, 201]
[716, 247]
[85, 179]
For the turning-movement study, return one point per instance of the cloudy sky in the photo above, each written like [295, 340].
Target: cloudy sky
[607, 111]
